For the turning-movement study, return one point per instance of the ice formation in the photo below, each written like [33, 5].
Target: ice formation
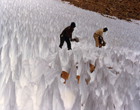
[31, 61]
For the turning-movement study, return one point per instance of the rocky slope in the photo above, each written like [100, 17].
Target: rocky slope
[122, 9]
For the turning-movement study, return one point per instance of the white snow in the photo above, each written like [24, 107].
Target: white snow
[31, 61]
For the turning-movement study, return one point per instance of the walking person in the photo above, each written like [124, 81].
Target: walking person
[66, 35]
[98, 37]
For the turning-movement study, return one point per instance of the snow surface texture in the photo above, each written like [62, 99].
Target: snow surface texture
[31, 61]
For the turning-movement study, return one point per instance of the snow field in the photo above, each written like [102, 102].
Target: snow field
[31, 61]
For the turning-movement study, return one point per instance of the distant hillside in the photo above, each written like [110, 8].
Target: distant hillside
[122, 9]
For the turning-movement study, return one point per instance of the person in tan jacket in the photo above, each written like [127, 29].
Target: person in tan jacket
[98, 37]
[66, 35]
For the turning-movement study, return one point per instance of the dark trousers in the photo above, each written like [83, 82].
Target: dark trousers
[64, 38]
[100, 39]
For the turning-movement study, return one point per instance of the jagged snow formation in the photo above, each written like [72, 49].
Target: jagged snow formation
[31, 61]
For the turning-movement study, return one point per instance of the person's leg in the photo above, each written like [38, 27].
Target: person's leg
[61, 41]
[96, 40]
[68, 43]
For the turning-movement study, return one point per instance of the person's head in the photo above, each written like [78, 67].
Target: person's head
[73, 25]
[105, 29]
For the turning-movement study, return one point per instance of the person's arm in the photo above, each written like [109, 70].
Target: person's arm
[72, 40]
[104, 43]
[70, 35]
[103, 39]
[101, 34]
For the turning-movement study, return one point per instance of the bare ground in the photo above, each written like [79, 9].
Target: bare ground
[122, 9]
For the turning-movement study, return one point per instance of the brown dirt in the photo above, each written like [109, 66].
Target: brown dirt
[92, 67]
[122, 9]
[78, 78]
[65, 75]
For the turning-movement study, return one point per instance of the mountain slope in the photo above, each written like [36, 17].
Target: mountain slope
[122, 9]
[31, 61]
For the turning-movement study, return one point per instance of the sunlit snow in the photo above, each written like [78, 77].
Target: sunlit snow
[31, 61]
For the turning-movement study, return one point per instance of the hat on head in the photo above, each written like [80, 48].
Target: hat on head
[73, 25]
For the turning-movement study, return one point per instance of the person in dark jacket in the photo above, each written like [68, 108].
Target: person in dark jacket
[66, 35]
